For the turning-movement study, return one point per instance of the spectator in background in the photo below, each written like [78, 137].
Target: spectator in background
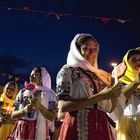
[6, 107]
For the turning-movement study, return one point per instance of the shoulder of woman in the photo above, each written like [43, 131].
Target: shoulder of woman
[66, 69]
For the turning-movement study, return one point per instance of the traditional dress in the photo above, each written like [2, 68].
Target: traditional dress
[77, 80]
[7, 124]
[34, 126]
[129, 125]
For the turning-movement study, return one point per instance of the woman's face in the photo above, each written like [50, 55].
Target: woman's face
[35, 77]
[134, 61]
[10, 90]
[90, 51]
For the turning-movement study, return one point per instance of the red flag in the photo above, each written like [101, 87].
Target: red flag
[105, 20]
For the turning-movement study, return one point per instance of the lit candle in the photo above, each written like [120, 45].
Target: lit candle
[115, 72]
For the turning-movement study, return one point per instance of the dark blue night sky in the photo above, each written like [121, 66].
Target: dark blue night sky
[30, 39]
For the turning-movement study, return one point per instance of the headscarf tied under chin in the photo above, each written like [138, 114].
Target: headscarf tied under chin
[76, 59]
[130, 73]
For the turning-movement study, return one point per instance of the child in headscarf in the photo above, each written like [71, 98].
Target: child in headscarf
[6, 100]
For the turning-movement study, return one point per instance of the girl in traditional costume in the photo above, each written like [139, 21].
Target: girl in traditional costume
[35, 107]
[129, 123]
[81, 93]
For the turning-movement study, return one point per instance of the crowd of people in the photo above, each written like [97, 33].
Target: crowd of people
[85, 104]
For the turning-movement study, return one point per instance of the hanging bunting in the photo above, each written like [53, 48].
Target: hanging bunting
[57, 17]
[105, 20]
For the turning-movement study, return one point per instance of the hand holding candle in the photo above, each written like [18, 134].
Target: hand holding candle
[115, 72]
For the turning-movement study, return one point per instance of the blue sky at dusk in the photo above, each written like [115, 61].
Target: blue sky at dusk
[31, 39]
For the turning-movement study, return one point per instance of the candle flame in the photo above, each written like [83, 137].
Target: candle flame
[113, 64]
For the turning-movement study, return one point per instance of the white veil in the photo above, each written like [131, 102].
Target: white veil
[46, 92]
[75, 58]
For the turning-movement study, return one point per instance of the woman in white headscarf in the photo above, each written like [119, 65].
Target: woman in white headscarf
[80, 94]
[35, 107]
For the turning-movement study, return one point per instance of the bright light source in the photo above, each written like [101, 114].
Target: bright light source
[113, 64]
[115, 72]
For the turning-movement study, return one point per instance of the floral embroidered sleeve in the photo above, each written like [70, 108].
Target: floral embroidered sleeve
[63, 83]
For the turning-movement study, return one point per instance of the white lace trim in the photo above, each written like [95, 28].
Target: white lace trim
[82, 124]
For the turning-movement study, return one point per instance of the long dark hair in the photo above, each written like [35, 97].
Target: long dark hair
[37, 69]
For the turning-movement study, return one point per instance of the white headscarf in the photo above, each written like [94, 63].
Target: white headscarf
[46, 79]
[76, 59]
[46, 92]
